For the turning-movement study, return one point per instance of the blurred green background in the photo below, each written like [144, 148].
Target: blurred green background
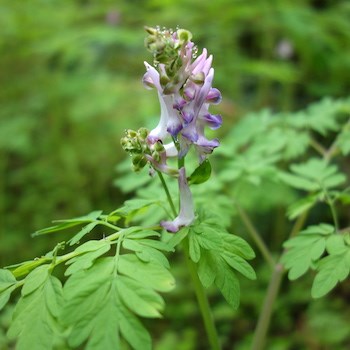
[70, 83]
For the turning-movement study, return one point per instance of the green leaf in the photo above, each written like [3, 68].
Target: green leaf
[239, 264]
[134, 205]
[94, 215]
[320, 229]
[141, 300]
[305, 249]
[314, 175]
[208, 237]
[331, 270]
[301, 206]
[217, 253]
[228, 284]
[7, 279]
[151, 274]
[148, 250]
[101, 302]
[136, 232]
[298, 182]
[207, 268]
[35, 279]
[175, 240]
[201, 174]
[64, 224]
[335, 244]
[25, 267]
[237, 245]
[343, 141]
[89, 251]
[194, 247]
[35, 319]
[5, 296]
[322, 116]
[133, 331]
[85, 230]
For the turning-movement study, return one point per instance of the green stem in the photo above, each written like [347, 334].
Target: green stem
[202, 301]
[330, 202]
[180, 161]
[166, 189]
[255, 236]
[198, 287]
[334, 215]
[263, 324]
[266, 312]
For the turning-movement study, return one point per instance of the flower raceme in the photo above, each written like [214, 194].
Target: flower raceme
[185, 91]
[184, 87]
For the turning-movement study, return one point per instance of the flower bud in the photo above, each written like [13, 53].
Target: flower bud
[150, 30]
[158, 146]
[156, 156]
[142, 133]
[184, 35]
[198, 78]
[130, 133]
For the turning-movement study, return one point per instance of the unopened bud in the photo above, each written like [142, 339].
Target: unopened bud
[158, 147]
[184, 35]
[130, 133]
[156, 156]
[150, 30]
[198, 78]
[138, 162]
[142, 133]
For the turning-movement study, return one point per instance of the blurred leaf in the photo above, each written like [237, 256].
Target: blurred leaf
[201, 173]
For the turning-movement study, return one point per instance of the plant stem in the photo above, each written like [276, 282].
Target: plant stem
[202, 301]
[197, 284]
[266, 312]
[264, 320]
[255, 236]
[330, 203]
[166, 189]
[318, 147]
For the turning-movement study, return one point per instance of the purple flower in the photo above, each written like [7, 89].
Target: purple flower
[185, 101]
[186, 215]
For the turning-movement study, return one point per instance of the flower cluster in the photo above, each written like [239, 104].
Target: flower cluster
[184, 85]
[185, 91]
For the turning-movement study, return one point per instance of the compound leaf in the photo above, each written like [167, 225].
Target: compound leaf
[141, 300]
[228, 284]
[35, 319]
[151, 274]
[332, 269]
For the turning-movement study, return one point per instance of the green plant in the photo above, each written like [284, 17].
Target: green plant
[294, 162]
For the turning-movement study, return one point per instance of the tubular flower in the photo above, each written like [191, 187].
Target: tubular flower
[186, 215]
[185, 91]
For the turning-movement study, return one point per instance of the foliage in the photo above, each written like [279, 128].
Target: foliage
[68, 70]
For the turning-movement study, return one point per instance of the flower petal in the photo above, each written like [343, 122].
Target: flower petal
[186, 215]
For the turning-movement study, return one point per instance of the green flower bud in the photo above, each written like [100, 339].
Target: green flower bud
[138, 162]
[131, 133]
[198, 78]
[158, 147]
[184, 35]
[150, 30]
[156, 156]
[142, 133]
